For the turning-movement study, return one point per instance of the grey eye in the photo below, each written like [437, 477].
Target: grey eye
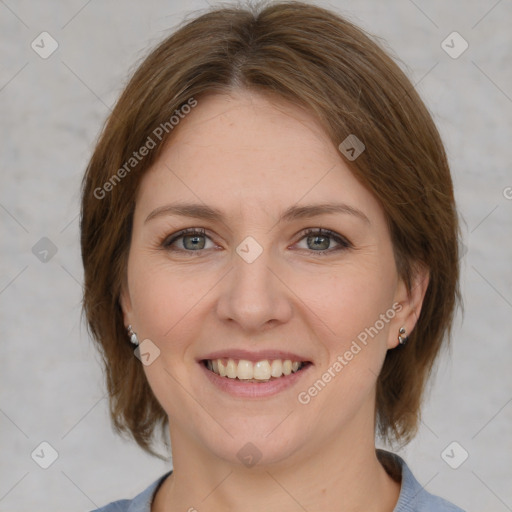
[193, 242]
[320, 242]
[324, 241]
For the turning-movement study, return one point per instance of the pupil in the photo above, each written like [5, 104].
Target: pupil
[318, 244]
[197, 243]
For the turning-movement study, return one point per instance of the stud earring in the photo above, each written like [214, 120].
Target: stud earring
[402, 340]
[133, 336]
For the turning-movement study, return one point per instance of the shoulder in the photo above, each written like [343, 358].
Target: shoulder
[140, 503]
[115, 506]
[413, 496]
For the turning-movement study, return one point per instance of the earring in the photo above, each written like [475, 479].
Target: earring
[133, 336]
[402, 340]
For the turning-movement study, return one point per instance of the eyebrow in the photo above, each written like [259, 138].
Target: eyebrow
[202, 211]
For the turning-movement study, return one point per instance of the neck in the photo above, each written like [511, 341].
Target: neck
[344, 474]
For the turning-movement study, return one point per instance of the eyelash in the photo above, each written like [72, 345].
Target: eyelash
[342, 241]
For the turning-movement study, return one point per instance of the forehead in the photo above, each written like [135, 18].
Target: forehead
[248, 151]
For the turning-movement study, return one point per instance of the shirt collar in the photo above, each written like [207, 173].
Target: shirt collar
[142, 502]
[413, 497]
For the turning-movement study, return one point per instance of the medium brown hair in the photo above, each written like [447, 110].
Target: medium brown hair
[313, 58]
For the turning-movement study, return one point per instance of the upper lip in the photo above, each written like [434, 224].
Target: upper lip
[254, 356]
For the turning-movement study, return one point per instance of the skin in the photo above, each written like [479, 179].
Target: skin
[252, 156]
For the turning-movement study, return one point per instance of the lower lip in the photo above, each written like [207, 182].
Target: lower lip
[244, 389]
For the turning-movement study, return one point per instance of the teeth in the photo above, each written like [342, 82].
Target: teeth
[231, 369]
[261, 370]
[244, 370]
[247, 370]
[222, 368]
[276, 370]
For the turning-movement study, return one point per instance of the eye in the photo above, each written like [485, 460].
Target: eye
[320, 240]
[191, 240]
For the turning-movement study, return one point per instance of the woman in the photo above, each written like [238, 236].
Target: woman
[268, 219]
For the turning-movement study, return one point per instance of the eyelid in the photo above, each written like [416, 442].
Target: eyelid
[341, 240]
[169, 239]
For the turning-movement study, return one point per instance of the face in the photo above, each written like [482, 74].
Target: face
[257, 275]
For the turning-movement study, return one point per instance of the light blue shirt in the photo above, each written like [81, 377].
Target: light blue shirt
[413, 497]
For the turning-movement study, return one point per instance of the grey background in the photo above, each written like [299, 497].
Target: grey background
[51, 113]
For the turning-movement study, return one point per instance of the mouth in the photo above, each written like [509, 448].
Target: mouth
[262, 371]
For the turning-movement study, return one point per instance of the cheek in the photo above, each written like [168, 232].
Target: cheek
[165, 298]
[158, 300]
[349, 299]
[352, 311]
[351, 307]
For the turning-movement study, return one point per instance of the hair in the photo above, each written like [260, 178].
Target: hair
[316, 59]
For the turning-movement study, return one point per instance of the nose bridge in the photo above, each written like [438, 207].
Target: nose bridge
[252, 261]
[253, 295]
[251, 276]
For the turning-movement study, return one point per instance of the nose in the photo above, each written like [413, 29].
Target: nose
[254, 295]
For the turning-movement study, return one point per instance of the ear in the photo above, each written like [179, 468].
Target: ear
[126, 304]
[408, 304]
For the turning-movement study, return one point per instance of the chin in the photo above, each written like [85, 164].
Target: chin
[259, 442]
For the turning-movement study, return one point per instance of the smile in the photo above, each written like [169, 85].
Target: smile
[258, 371]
